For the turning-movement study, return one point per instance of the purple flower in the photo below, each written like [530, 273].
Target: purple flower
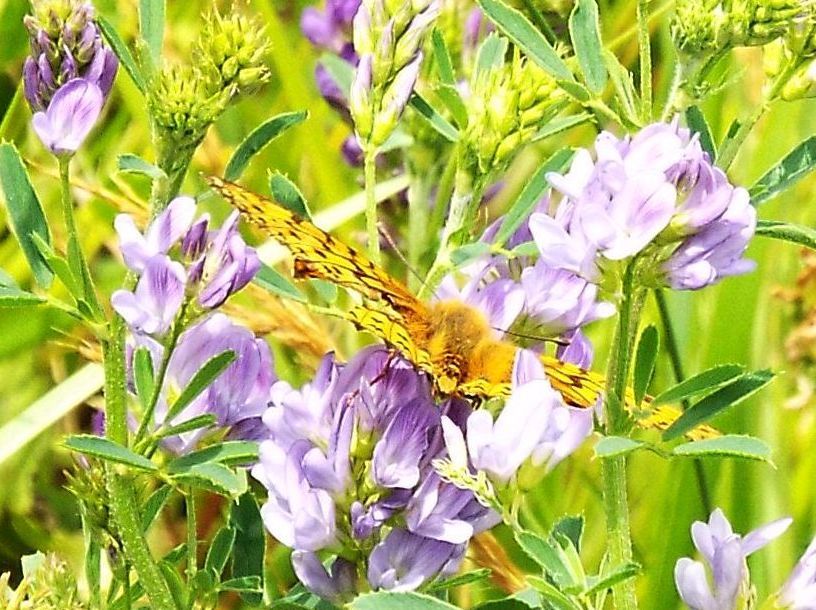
[441, 511]
[559, 300]
[533, 425]
[725, 553]
[330, 29]
[224, 263]
[799, 590]
[578, 350]
[336, 584]
[65, 45]
[297, 514]
[153, 306]
[404, 561]
[162, 234]
[70, 116]
[654, 190]
[398, 454]
[716, 251]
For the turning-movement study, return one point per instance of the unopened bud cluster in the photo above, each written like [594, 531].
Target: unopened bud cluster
[507, 105]
[794, 56]
[388, 37]
[65, 44]
[706, 26]
[229, 59]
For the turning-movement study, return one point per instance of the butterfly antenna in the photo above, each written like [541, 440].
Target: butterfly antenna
[390, 241]
[560, 342]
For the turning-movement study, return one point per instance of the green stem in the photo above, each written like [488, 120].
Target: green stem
[370, 169]
[192, 536]
[673, 348]
[76, 259]
[124, 510]
[729, 152]
[147, 416]
[645, 52]
[613, 469]
[418, 213]
[463, 205]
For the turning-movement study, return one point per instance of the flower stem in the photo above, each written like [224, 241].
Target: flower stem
[192, 535]
[673, 348]
[76, 259]
[613, 469]
[370, 170]
[645, 52]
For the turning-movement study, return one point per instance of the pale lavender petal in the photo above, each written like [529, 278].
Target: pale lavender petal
[756, 539]
[70, 116]
[335, 585]
[692, 585]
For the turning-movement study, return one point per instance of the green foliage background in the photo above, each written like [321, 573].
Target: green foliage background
[738, 321]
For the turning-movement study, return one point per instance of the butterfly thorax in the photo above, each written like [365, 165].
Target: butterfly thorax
[461, 346]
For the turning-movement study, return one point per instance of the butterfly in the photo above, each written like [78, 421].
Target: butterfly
[449, 340]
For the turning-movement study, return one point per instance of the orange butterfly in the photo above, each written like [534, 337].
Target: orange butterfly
[449, 340]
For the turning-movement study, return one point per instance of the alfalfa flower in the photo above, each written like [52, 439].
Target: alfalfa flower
[69, 73]
[655, 195]
[799, 590]
[725, 553]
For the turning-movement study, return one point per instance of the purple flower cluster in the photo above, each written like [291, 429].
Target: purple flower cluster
[655, 195]
[348, 465]
[725, 553]
[68, 74]
[218, 264]
[186, 271]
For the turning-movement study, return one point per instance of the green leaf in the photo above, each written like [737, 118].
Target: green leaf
[232, 453]
[274, 282]
[12, 296]
[491, 53]
[571, 526]
[793, 167]
[246, 585]
[547, 556]
[551, 594]
[341, 72]
[732, 445]
[616, 576]
[286, 193]
[215, 477]
[143, 375]
[466, 578]
[24, 209]
[151, 26]
[645, 360]
[194, 423]
[134, 164]
[154, 505]
[698, 124]
[245, 518]
[624, 85]
[793, 233]
[387, 600]
[707, 381]
[173, 579]
[532, 193]
[610, 446]
[106, 449]
[560, 124]
[200, 381]
[506, 603]
[260, 137]
[517, 28]
[435, 120]
[326, 291]
[469, 252]
[59, 266]
[450, 97]
[444, 65]
[727, 396]
[585, 33]
[219, 551]
[122, 52]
